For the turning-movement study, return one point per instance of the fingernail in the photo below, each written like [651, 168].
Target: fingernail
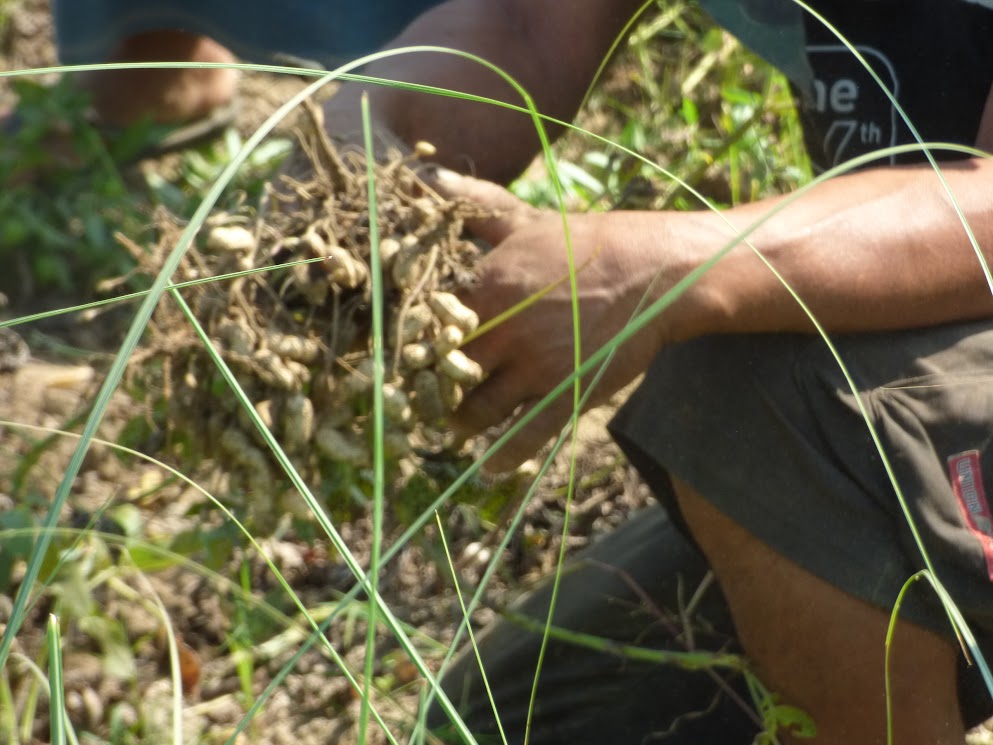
[444, 175]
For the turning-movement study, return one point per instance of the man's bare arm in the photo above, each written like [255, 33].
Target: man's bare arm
[876, 250]
[551, 47]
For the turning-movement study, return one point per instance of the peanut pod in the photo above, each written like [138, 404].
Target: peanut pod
[451, 392]
[236, 337]
[345, 272]
[418, 356]
[388, 249]
[396, 405]
[236, 444]
[298, 422]
[428, 402]
[289, 346]
[273, 371]
[407, 265]
[424, 149]
[449, 338]
[314, 289]
[360, 378]
[300, 371]
[312, 243]
[451, 311]
[233, 238]
[267, 411]
[460, 368]
[341, 447]
[412, 324]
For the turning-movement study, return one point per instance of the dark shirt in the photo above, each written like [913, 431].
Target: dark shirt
[935, 57]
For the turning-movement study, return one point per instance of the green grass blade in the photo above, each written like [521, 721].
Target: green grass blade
[379, 468]
[116, 371]
[618, 40]
[472, 638]
[369, 579]
[8, 715]
[57, 704]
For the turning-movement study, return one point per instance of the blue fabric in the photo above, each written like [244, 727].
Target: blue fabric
[326, 31]
[773, 29]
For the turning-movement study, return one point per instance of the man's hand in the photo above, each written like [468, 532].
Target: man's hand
[881, 249]
[532, 351]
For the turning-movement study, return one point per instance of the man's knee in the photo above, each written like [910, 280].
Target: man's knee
[824, 649]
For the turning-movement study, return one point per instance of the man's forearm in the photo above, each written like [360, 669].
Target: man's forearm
[877, 250]
[551, 47]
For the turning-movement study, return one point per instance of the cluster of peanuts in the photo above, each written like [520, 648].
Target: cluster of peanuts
[298, 335]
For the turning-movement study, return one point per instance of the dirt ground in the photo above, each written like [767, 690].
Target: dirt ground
[314, 704]
[200, 609]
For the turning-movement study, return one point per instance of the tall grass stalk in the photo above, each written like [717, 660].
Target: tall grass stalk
[927, 150]
[8, 719]
[954, 615]
[142, 316]
[379, 465]
[466, 615]
[56, 698]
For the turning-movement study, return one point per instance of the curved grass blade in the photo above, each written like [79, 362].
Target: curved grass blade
[56, 701]
[379, 466]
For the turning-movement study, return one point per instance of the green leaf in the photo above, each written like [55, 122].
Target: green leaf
[77, 601]
[16, 520]
[713, 40]
[147, 559]
[118, 659]
[690, 112]
[128, 516]
[795, 721]
[735, 95]
[14, 547]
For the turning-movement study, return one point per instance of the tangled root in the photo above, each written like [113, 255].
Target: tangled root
[298, 335]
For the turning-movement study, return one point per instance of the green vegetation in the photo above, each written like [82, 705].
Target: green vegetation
[65, 195]
[71, 188]
[686, 96]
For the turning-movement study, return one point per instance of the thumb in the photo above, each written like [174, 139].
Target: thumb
[506, 212]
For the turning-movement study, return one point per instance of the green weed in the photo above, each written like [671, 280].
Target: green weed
[71, 188]
[686, 96]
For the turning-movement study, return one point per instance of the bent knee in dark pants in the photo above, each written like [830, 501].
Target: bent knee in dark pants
[768, 429]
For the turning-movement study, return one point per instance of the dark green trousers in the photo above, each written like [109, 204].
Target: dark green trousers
[635, 586]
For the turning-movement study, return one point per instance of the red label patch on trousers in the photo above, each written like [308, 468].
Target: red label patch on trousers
[967, 483]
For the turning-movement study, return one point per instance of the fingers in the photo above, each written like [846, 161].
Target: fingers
[489, 404]
[501, 399]
[544, 426]
[509, 212]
